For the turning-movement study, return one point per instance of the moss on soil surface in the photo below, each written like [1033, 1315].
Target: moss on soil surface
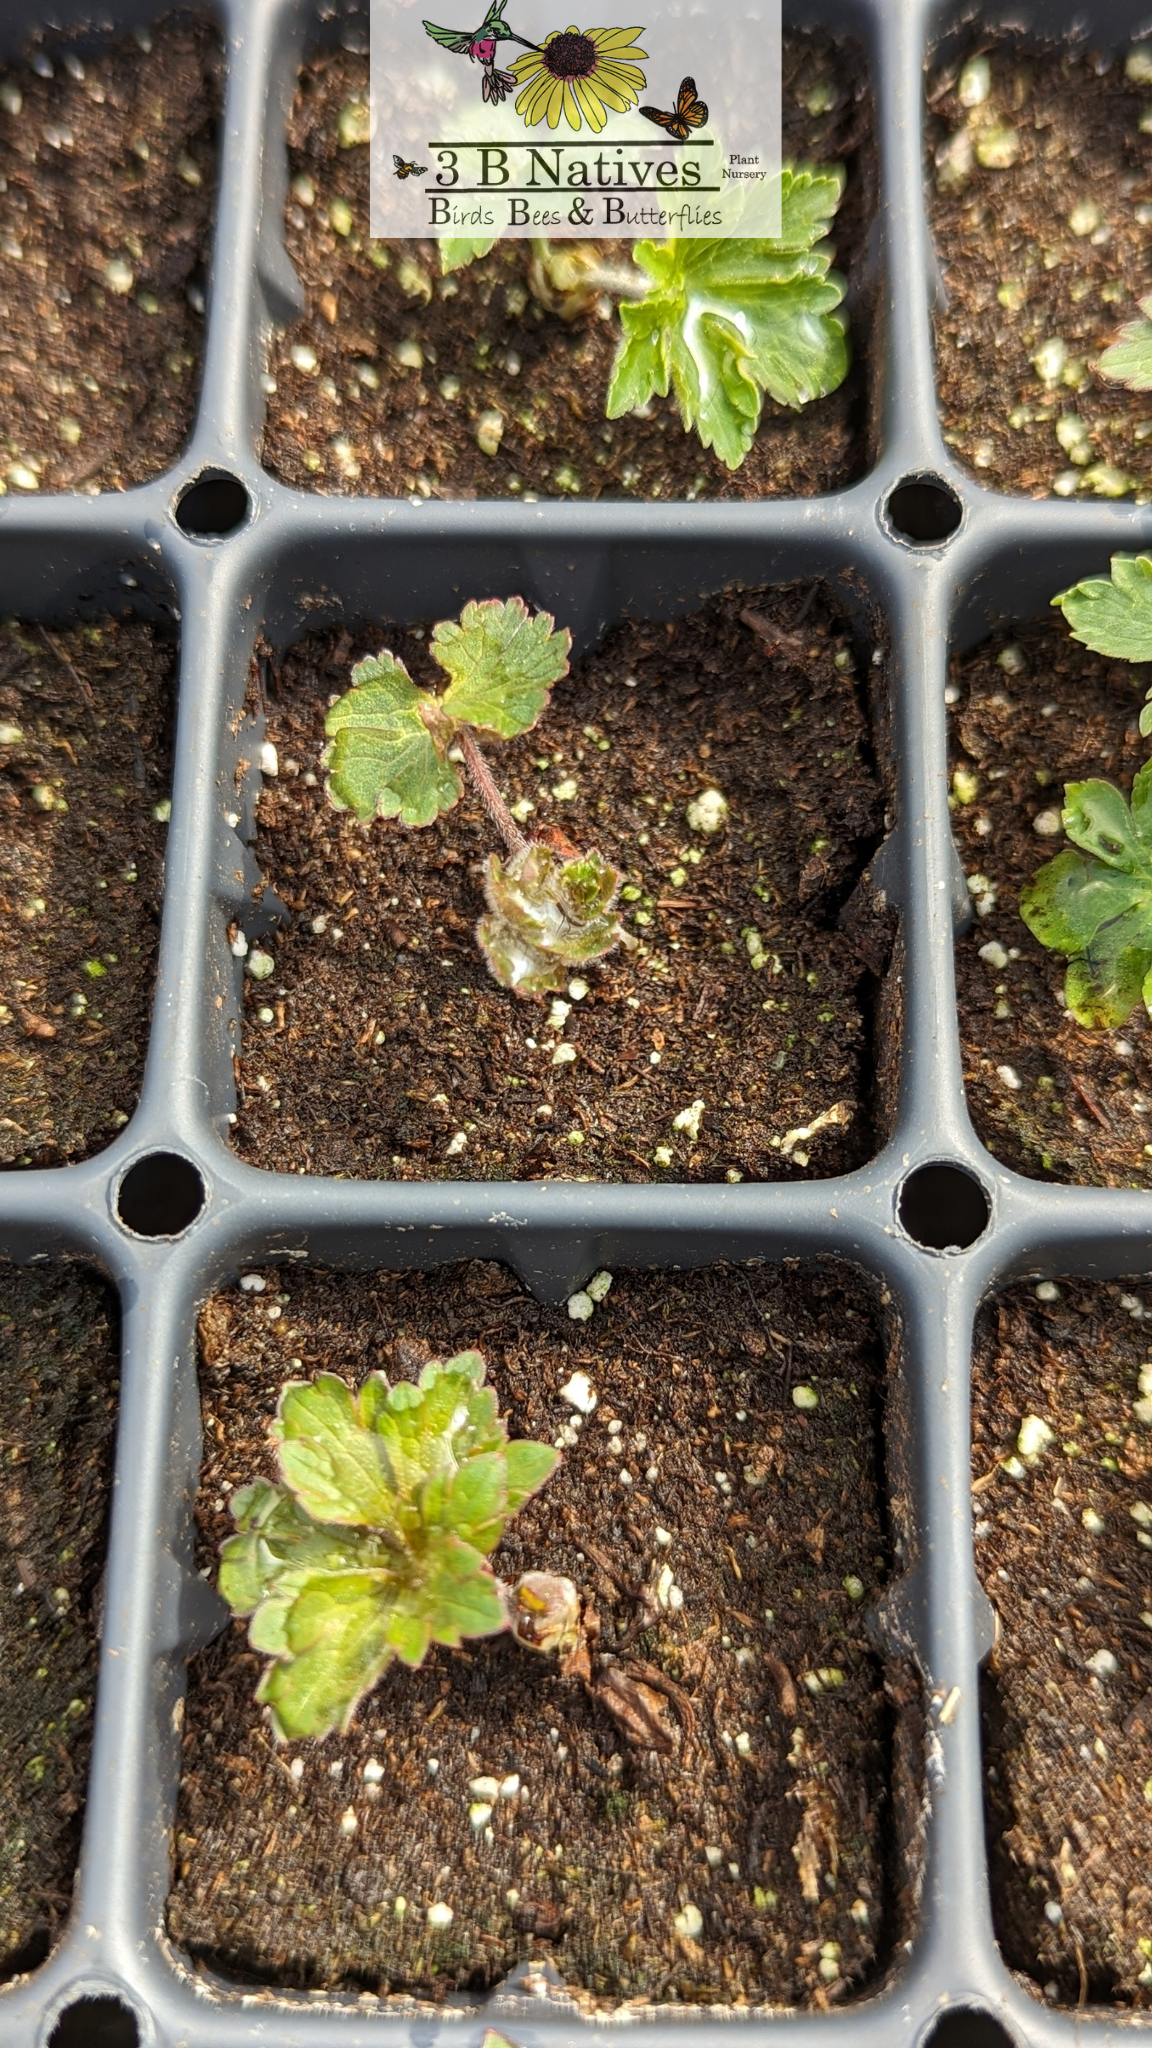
[1053, 248]
[360, 422]
[58, 1361]
[1047, 1097]
[1068, 1696]
[107, 187]
[386, 1039]
[603, 1845]
[81, 879]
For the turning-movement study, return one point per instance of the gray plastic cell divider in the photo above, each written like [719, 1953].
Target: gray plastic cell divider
[300, 556]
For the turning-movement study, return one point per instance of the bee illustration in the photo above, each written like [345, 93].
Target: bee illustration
[690, 112]
[404, 170]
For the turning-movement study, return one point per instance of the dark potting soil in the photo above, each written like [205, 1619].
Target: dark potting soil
[1065, 1555]
[1052, 249]
[776, 1806]
[359, 421]
[85, 756]
[381, 1047]
[1047, 1097]
[107, 185]
[58, 1359]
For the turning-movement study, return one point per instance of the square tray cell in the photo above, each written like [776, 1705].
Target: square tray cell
[1040, 199]
[85, 765]
[107, 189]
[1060, 1466]
[761, 1795]
[381, 384]
[59, 1332]
[388, 1051]
[1033, 709]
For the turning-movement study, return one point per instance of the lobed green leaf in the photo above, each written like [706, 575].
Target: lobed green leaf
[726, 321]
[464, 1600]
[474, 1502]
[431, 1427]
[1113, 614]
[273, 1533]
[502, 661]
[338, 1470]
[384, 761]
[1097, 818]
[1096, 905]
[336, 1637]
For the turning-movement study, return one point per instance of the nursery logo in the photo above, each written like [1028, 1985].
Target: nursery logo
[519, 124]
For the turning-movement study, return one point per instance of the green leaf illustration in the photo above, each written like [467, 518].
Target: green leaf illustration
[383, 761]
[375, 1544]
[1129, 360]
[1113, 615]
[502, 662]
[726, 321]
[1096, 905]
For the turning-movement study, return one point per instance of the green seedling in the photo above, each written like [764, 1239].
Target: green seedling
[1113, 614]
[1129, 360]
[720, 324]
[393, 754]
[374, 1544]
[1096, 905]
[723, 323]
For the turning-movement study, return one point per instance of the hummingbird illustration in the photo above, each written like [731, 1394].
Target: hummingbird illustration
[479, 45]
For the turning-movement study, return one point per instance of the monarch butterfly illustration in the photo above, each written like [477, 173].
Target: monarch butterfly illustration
[404, 170]
[690, 112]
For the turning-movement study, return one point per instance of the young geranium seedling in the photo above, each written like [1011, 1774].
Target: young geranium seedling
[1096, 905]
[720, 324]
[375, 1544]
[724, 322]
[550, 907]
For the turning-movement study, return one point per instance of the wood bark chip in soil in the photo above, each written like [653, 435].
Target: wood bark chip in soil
[85, 756]
[359, 422]
[1053, 248]
[1047, 1097]
[381, 1047]
[58, 1358]
[1068, 1695]
[602, 1846]
[107, 188]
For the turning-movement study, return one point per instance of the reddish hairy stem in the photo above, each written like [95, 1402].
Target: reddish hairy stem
[488, 793]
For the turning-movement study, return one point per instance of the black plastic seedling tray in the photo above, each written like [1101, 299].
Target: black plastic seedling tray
[291, 557]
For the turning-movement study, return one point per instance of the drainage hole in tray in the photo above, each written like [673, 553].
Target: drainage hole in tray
[923, 510]
[964, 2028]
[943, 1209]
[160, 1196]
[213, 506]
[95, 2023]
